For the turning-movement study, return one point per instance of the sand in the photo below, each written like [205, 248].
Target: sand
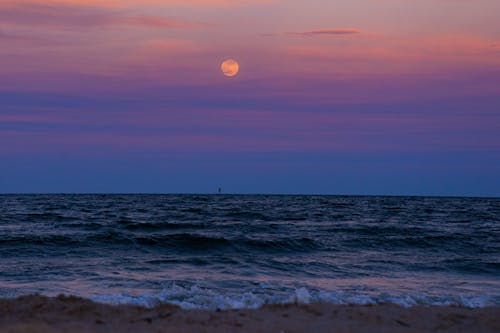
[71, 314]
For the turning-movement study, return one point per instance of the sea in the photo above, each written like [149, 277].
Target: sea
[246, 251]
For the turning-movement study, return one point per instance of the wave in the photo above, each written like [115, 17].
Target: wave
[195, 297]
[145, 226]
[393, 241]
[175, 241]
[284, 244]
[248, 216]
[57, 240]
[203, 242]
[185, 241]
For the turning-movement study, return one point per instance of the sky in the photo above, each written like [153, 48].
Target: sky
[393, 97]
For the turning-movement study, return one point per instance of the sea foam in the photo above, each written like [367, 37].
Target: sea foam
[195, 297]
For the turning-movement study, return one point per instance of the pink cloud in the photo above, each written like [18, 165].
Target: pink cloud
[133, 3]
[385, 55]
[73, 15]
[326, 32]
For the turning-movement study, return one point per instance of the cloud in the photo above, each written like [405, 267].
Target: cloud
[14, 39]
[78, 16]
[326, 32]
[155, 21]
[135, 3]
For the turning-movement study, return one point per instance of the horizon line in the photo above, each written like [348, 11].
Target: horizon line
[256, 194]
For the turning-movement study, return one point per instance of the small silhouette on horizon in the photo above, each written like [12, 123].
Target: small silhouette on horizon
[219, 190]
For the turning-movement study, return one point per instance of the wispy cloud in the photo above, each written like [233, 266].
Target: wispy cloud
[154, 21]
[78, 16]
[135, 3]
[326, 32]
[15, 39]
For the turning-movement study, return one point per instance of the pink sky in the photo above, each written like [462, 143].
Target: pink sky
[325, 77]
[184, 41]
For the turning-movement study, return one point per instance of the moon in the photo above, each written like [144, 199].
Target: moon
[230, 68]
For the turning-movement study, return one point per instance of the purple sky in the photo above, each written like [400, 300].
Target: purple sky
[350, 97]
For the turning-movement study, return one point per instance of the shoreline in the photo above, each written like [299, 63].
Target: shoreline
[42, 314]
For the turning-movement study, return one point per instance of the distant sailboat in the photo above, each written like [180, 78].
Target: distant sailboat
[219, 190]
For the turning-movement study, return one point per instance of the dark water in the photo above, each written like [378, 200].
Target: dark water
[222, 251]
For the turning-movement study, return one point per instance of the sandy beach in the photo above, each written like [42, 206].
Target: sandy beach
[71, 314]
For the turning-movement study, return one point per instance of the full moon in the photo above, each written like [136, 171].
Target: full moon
[230, 67]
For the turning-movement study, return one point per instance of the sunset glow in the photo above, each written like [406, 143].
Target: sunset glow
[365, 94]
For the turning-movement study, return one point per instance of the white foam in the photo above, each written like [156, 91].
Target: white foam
[195, 297]
[302, 296]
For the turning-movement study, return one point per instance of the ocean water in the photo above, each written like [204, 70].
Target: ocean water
[244, 251]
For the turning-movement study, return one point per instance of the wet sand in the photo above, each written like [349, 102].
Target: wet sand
[71, 314]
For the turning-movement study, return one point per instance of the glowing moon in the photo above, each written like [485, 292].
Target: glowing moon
[230, 68]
